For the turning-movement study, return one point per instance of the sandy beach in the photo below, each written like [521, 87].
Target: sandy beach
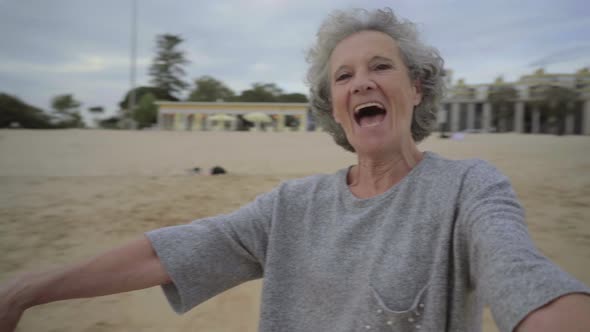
[66, 195]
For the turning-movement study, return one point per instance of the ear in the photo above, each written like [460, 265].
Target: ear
[417, 92]
[335, 117]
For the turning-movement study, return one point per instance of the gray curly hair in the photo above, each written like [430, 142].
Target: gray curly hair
[424, 65]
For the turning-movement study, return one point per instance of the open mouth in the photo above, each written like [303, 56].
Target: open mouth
[369, 114]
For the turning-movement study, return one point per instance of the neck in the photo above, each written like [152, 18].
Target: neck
[374, 176]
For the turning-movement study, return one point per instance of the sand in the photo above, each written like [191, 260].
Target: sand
[66, 195]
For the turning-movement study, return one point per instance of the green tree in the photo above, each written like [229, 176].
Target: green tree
[146, 113]
[14, 111]
[261, 92]
[66, 108]
[502, 98]
[110, 122]
[292, 98]
[96, 109]
[158, 93]
[556, 102]
[167, 69]
[208, 88]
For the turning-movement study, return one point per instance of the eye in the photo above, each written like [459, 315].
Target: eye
[343, 76]
[382, 66]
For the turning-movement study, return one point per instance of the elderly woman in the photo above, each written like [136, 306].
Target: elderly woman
[404, 240]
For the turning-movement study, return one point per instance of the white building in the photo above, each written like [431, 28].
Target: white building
[467, 108]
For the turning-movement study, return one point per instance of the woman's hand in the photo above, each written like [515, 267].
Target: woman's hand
[567, 313]
[129, 267]
[11, 306]
[9, 317]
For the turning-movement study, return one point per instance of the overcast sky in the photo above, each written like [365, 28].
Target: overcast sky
[83, 47]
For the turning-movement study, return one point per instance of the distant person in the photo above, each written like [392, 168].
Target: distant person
[404, 240]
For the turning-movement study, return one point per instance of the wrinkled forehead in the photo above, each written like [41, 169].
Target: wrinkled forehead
[362, 47]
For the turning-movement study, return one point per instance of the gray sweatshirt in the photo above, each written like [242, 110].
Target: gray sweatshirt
[425, 255]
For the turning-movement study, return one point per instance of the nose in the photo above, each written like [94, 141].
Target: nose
[362, 85]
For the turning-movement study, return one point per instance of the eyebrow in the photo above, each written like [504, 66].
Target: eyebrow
[375, 58]
[382, 58]
[338, 70]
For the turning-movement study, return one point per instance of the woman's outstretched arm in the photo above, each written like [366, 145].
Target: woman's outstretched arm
[568, 313]
[129, 267]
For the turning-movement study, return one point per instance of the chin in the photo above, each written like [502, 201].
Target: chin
[375, 147]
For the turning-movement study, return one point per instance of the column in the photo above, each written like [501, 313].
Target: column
[189, 122]
[536, 121]
[518, 117]
[207, 122]
[455, 117]
[280, 122]
[197, 122]
[161, 121]
[486, 121]
[302, 122]
[185, 120]
[442, 115]
[178, 121]
[471, 116]
[569, 123]
[170, 118]
[586, 118]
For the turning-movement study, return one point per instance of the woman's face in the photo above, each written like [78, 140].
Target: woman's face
[372, 95]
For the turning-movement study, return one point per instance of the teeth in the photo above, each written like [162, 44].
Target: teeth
[369, 104]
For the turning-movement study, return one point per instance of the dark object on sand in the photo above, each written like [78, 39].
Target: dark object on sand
[444, 135]
[217, 170]
[196, 170]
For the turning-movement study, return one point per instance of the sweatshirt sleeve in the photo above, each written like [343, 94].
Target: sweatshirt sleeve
[508, 272]
[211, 255]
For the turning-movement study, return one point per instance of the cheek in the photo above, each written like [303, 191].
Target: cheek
[337, 114]
[338, 107]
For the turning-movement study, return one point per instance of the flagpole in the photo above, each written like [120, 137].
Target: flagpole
[133, 62]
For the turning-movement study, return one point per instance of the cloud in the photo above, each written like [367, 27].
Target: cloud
[81, 64]
[66, 46]
[563, 55]
[261, 68]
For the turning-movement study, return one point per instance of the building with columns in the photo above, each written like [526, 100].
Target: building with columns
[466, 108]
[226, 116]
